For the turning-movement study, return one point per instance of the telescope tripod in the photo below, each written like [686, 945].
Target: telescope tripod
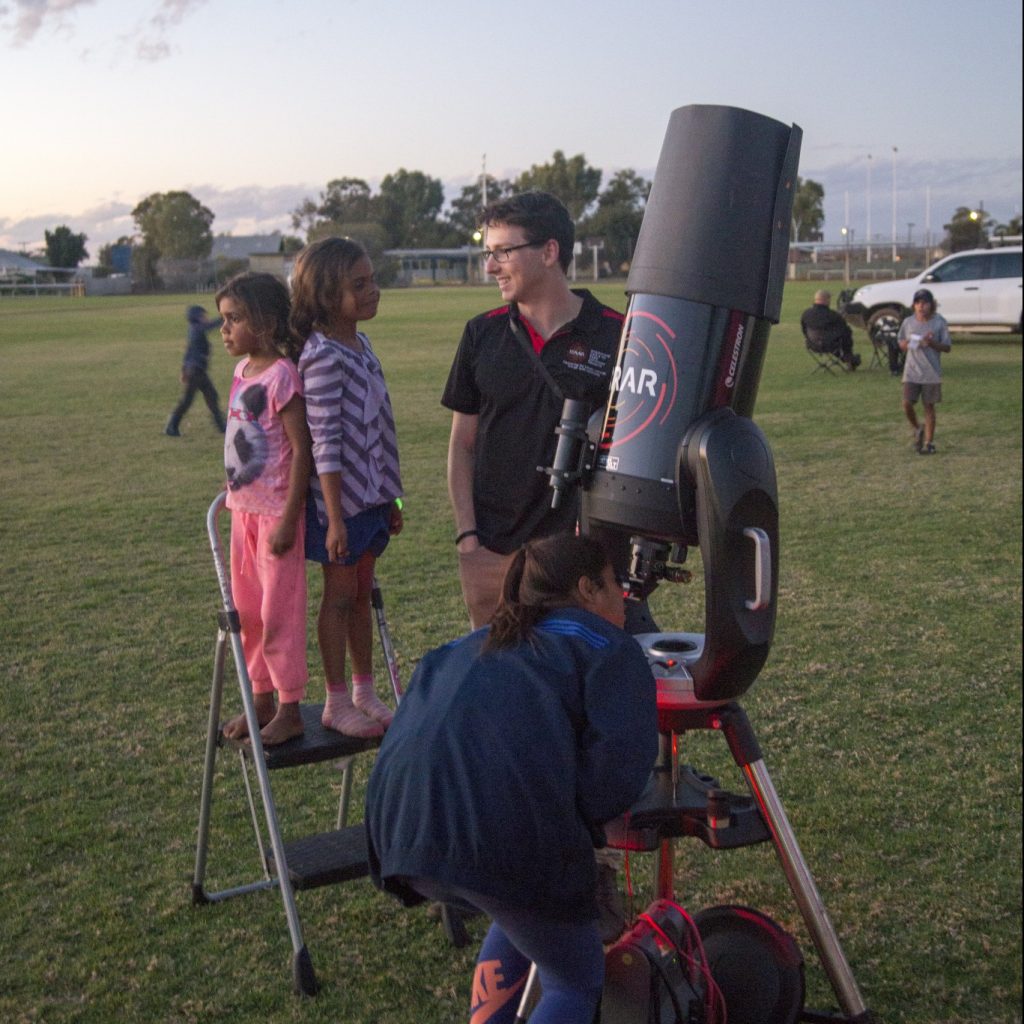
[678, 801]
[728, 821]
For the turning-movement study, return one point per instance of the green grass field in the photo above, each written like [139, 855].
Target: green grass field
[889, 710]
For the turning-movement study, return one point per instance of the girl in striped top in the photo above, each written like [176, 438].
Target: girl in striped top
[352, 509]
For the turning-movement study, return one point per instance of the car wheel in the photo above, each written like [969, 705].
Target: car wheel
[884, 326]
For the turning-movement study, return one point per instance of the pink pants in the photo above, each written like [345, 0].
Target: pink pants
[269, 592]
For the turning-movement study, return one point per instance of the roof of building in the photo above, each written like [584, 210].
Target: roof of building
[238, 247]
[16, 262]
[457, 254]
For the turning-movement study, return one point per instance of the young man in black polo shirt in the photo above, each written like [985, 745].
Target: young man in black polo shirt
[514, 368]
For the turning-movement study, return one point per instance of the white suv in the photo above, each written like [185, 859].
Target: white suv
[975, 290]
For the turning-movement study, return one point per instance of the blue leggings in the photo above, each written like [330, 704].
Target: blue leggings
[569, 958]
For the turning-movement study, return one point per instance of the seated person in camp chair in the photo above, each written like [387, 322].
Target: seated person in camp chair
[825, 331]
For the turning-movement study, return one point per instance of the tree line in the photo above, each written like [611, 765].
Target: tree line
[408, 212]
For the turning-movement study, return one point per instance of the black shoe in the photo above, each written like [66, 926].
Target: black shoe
[171, 430]
[928, 449]
[854, 361]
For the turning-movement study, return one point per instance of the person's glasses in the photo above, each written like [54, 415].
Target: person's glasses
[502, 255]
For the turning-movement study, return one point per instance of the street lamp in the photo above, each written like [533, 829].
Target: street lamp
[868, 254]
[978, 216]
[478, 237]
[846, 238]
[894, 152]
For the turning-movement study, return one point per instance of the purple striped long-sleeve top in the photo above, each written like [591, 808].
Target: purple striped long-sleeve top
[351, 423]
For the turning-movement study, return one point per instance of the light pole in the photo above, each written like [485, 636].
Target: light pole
[478, 237]
[978, 217]
[846, 236]
[928, 224]
[894, 152]
[868, 253]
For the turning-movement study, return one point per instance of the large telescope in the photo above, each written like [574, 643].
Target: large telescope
[678, 461]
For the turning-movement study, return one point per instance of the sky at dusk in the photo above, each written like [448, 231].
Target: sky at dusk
[252, 106]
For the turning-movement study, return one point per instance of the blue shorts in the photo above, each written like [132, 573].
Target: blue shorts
[367, 531]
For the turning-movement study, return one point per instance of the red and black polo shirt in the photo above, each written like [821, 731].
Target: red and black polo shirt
[518, 392]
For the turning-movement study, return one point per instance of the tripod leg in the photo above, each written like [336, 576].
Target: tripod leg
[746, 752]
[804, 890]
[664, 861]
[390, 659]
[530, 995]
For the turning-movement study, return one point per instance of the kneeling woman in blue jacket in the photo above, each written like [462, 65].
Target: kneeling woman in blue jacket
[510, 750]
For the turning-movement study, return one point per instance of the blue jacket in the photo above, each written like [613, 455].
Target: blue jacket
[499, 770]
[197, 352]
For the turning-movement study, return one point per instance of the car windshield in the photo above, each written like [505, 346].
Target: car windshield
[963, 268]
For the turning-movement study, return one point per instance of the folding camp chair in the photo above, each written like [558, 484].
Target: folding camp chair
[824, 359]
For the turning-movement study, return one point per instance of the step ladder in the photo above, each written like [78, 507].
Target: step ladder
[326, 858]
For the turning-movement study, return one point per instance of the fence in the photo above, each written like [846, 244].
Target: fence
[76, 289]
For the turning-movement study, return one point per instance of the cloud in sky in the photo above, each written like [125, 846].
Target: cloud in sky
[25, 18]
[928, 192]
[29, 15]
[238, 211]
[160, 101]
[151, 38]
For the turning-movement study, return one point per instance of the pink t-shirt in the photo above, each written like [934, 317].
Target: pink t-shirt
[257, 452]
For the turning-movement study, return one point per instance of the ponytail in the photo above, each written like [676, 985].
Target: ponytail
[543, 575]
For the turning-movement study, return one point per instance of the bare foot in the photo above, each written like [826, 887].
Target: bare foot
[284, 726]
[237, 728]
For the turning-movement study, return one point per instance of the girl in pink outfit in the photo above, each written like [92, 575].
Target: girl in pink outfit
[268, 462]
[353, 508]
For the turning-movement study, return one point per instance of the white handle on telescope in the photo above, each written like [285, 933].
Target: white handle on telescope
[762, 569]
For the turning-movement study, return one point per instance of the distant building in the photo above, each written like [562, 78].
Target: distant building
[434, 266]
[234, 254]
[16, 264]
[20, 274]
[242, 247]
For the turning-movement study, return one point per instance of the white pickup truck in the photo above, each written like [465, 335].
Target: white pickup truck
[976, 290]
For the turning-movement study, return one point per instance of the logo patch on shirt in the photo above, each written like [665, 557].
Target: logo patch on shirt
[582, 358]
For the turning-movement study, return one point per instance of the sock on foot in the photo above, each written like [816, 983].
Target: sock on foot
[341, 715]
[368, 702]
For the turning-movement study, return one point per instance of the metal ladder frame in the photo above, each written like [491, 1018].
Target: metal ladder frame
[253, 759]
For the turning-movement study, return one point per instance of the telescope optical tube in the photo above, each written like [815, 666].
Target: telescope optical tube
[705, 283]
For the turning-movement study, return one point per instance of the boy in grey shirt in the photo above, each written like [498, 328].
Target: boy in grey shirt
[923, 337]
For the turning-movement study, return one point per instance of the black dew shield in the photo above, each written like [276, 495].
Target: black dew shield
[705, 284]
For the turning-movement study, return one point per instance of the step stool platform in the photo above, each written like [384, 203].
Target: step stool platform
[327, 858]
[315, 744]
